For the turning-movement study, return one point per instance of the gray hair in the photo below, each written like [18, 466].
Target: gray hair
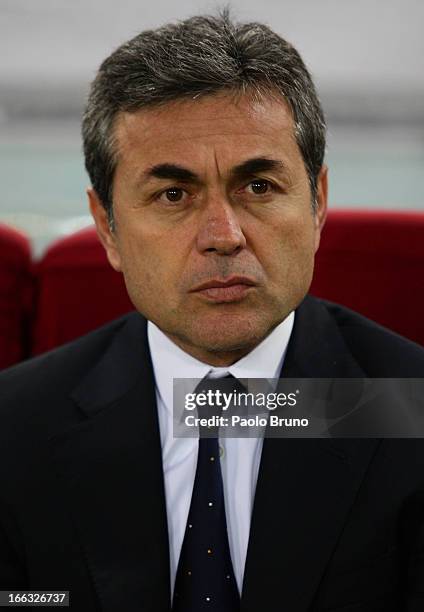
[200, 56]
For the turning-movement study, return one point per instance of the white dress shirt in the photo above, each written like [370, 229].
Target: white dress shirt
[240, 457]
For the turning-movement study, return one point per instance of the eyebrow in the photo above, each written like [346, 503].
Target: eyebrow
[171, 171]
[256, 165]
[241, 171]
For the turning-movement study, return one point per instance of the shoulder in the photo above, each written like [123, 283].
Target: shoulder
[42, 380]
[379, 351]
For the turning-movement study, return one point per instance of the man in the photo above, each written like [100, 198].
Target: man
[204, 141]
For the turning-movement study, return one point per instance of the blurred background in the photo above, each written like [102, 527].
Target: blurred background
[367, 58]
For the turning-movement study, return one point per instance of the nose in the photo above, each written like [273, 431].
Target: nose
[220, 231]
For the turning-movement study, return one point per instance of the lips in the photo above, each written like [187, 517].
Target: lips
[229, 290]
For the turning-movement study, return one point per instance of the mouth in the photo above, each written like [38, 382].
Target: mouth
[232, 289]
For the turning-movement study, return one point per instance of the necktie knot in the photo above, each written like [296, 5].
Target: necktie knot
[214, 396]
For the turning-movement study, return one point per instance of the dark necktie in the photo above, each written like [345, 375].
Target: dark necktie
[205, 578]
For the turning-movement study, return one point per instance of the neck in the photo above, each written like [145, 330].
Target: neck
[218, 359]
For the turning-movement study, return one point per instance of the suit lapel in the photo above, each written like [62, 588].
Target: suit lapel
[110, 466]
[305, 487]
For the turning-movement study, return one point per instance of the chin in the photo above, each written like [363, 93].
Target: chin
[230, 333]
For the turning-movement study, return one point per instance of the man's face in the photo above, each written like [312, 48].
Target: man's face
[214, 231]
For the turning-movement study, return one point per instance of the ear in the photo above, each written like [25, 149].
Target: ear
[321, 204]
[106, 235]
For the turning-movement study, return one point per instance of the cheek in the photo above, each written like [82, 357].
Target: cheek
[288, 257]
[291, 242]
[149, 266]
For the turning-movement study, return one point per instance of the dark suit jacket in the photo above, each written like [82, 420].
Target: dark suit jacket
[338, 524]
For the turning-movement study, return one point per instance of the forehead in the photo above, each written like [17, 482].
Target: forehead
[191, 131]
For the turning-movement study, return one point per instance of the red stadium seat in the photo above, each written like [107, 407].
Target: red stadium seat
[16, 284]
[77, 291]
[373, 262]
[370, 261]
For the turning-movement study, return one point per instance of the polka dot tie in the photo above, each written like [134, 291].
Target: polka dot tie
[205, 578]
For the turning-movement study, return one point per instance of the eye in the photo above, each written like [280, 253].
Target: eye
[260, 186]
[173, 194]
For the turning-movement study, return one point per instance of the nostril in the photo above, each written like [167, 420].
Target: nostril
[228, 250]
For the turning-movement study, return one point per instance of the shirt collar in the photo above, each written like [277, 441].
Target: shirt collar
[170, 361]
